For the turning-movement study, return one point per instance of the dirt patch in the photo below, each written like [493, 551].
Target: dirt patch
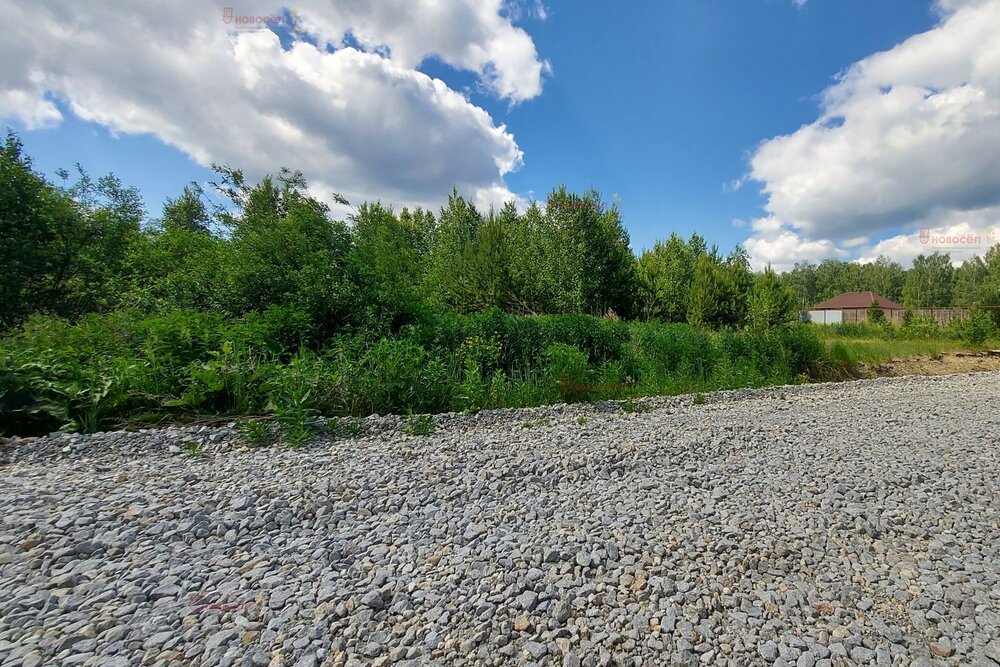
[946, 363]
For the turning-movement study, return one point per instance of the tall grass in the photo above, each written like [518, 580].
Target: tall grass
[128, 369]
[848, 345]
[852, 352]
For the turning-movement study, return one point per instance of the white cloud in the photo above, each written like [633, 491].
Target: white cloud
[519, 9]
[908, 137]
[766, 225]
[776, 245]
[468, 34]
[961, 236]
[29, 105]
[366, 124]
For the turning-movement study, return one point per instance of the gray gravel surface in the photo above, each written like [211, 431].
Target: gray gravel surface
[838, 524]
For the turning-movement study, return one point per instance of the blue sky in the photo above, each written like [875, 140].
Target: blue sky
[798, 129]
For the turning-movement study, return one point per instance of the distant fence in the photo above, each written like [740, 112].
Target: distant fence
[855, 315]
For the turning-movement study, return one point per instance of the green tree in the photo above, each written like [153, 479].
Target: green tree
[285, 250]
[493, 261]
[740, 280]
[386, 263]
[875, 313]
[970, 279]
[547, 267]
[801, 280]
[598, 247]
[883, 276]
[770, 302]
[450, 280]
[988, 293]
[64, 251]
[41, 235]
[177, 268]
[711, 293]
[187, 212]
[928, 283]
[665, 274]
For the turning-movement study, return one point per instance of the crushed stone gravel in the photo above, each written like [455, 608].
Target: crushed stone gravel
[835, 524]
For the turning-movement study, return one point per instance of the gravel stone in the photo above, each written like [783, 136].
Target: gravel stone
[813, 525]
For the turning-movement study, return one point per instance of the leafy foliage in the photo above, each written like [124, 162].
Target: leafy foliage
[270, 309]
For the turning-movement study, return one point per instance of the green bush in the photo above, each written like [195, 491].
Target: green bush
[567, 369]
[804, 348]
[126, 367]
[978, 328]
[920, 327]
[400, 376]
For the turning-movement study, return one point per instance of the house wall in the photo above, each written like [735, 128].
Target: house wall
[940, 315]
[855, 315]
[822, 316]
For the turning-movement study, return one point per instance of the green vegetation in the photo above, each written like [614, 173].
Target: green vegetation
[255, 432]
[419, 425]
[873, 343]
[535, 423]
[875, 314]
[932, 281]
[127, 368]
[630, 406]
[271, 311]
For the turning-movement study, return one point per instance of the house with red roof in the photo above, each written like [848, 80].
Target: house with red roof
[850, 307]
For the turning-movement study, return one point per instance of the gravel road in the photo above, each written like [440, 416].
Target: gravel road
[837, 524]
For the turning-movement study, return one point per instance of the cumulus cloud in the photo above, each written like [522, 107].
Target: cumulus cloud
[905, 138]
[776, 245]
[344, 101]
[471, 35]
[961, 237]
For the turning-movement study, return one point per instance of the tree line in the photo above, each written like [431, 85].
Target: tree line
[931, 282]
[88, 247]
[68, 250]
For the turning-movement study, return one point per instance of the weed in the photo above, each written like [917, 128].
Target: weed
[192, 448]
[296, 434]
[419, 425]
[353, 427]
[292, 400]
[699, 399]
[256, 432]
[534, 423]
[631, 406]
[582, 420]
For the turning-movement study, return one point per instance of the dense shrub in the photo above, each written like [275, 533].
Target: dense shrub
[400, 376]
[978, 328]
[107, 370]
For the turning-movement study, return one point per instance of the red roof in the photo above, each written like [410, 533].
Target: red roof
[857, 300]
